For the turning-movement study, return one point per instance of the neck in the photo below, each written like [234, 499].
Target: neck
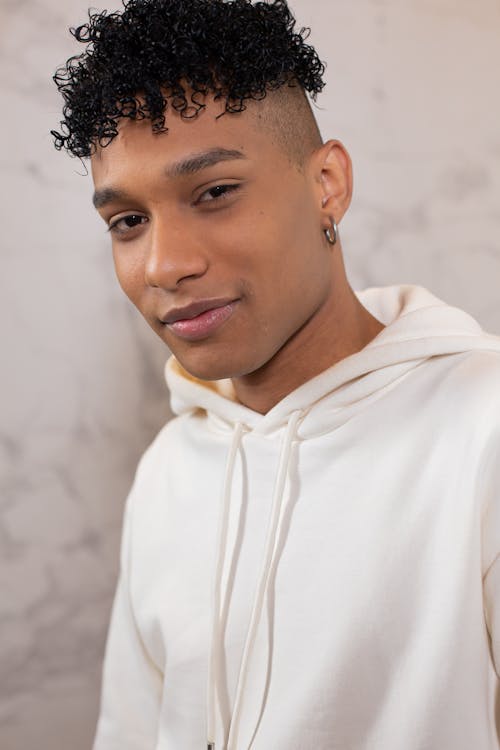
[341, 327]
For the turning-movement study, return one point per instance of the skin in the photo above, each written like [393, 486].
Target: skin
[261, 243]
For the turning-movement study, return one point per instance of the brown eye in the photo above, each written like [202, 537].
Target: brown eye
[132, 221]
[127, 223]
[217, 192]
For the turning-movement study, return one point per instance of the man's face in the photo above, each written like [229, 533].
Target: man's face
[216, 237]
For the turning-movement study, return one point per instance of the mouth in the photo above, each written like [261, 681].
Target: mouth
[199, 319]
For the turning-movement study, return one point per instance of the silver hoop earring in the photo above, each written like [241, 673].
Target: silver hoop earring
[332, 232]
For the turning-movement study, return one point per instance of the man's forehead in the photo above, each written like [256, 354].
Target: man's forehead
[179, 136]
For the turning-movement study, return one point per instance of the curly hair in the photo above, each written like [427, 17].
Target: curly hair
[160, 53]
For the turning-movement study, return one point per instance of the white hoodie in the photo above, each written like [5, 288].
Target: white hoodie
[325, 576]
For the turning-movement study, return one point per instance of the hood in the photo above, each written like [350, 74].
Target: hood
[419, 325]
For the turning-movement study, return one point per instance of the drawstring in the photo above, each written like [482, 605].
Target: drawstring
[274, 527]
[267, 565]
[215, 640]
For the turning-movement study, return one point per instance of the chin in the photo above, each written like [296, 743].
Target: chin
[203, 365]
[215, 365]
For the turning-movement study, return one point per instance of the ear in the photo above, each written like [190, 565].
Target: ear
[333, 177]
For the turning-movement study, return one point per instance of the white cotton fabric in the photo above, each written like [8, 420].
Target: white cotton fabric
[325, 576]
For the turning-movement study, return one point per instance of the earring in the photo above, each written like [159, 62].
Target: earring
[332, 232]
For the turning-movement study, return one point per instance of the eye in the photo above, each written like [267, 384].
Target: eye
[217, 193]
[125, 224]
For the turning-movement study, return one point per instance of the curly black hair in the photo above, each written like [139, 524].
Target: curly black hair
[160, 53]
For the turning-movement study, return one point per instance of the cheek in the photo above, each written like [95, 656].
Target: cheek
[130, 274]
[295, 286]
[290, 267]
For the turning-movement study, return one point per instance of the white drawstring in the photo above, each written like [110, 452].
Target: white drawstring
[215, 640]
[266, 569]
[263, 582]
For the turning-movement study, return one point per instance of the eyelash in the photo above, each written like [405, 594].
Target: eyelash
[227, 190]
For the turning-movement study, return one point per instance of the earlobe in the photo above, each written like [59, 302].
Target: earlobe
[335, 178]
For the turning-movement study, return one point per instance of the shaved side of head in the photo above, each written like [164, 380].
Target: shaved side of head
[288, 116]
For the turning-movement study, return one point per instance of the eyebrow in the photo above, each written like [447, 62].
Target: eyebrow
[204, 159]
[107, 195]
[190, 165]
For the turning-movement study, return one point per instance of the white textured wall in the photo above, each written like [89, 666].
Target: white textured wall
[413, 91]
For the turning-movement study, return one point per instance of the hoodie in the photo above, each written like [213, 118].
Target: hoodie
[325, 576]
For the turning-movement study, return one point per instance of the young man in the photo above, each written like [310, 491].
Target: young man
[310, 555]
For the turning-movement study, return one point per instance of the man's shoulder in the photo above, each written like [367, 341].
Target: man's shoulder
[477, 375]
[153, 469]
[470, 391]
[163, 442]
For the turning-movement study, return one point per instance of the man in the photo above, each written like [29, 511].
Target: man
[310, 555]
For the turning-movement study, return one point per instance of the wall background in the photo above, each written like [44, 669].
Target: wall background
[413, 91]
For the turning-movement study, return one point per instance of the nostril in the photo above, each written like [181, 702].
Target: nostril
[170, 278]
[167, 267]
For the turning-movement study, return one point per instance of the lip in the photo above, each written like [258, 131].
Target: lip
[199, 319]
[194, 308]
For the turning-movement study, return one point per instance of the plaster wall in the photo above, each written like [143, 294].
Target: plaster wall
[412, 92]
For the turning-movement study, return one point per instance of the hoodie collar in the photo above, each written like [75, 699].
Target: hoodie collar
[419, 325]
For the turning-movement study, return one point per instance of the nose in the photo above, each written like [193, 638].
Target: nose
[174, 254]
